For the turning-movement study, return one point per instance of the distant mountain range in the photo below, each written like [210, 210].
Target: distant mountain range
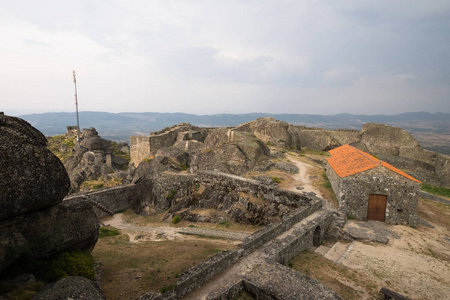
[431, 129]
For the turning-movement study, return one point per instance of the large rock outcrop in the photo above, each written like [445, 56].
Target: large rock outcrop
[243, 148]
[381, 138]
[68, 226]
[31, 177]
[271, 131]
[94, 160]
[230, 151]
[34, 222]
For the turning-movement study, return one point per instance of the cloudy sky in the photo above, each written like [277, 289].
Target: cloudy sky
[208, 57]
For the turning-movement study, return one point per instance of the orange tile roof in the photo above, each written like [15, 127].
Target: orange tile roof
[347, 160]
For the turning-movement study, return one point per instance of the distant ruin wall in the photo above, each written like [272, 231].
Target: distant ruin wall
[139, 148]
[114, 199]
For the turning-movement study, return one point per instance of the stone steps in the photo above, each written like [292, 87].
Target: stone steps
[337, 253]
[101, 206]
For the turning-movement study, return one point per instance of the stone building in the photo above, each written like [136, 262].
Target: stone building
[370, 189]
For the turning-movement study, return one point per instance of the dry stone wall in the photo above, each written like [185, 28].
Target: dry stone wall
[278, 252]
[113, 199]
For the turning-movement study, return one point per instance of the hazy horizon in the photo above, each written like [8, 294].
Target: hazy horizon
[303, 57]
[16, 114]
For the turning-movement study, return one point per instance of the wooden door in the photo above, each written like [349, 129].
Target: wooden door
[376, 210]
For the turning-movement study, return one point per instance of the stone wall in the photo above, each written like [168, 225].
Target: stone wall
[302, 238]
[240, 199]
[114, 199]
[145, 145]
[353, 194]
[434, 197]
[199, 274]
[259, 238]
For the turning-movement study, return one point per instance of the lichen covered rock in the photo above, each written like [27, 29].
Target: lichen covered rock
[31, 177]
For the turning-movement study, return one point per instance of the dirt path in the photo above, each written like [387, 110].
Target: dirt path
[303, 177]
[163, 233]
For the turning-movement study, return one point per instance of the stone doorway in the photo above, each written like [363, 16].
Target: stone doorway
[376, 210]
[317, 238]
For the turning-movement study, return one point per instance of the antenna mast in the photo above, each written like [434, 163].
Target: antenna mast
[76, 105]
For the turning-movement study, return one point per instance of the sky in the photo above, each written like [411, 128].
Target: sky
[211, 57]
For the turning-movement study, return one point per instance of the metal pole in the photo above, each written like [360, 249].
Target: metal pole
[76, 105]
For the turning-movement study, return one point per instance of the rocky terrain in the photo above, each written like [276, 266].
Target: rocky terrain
[242, 149]
[36, 226]
[96, 163]
[184, 171]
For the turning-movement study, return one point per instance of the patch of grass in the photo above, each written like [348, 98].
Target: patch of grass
[152, 263]
[54, 145]
[436, 190]
[148, 159]
[21, 294]
[105, 231]
[73, 264]
[166, 288]
[326, 183]
[183, 167]
[277, 179]
[98, 186]
[92, 185]
[224, 223]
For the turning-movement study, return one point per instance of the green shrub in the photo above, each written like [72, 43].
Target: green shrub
[105, 231]
[183, 167]
[171, 195]
[73, 264]
[166, 288]
[440, 191]
[176, 219]
[276, 179]
[21, 294]
[327, 183]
